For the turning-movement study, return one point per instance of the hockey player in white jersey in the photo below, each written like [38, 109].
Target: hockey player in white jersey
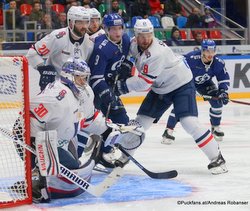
[170, 80]
[56, 108]
[50, 53]
[95, 28]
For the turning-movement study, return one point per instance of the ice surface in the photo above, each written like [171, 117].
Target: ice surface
[194, 188]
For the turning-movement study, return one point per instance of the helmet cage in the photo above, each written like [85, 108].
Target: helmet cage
[70, 70]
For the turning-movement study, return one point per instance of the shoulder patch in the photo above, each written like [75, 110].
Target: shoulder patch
[61, 95]
[60, 34]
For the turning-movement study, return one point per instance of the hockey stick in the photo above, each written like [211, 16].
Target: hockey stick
[208, 97]
[95, 190]
[154, 175]
[113, 89]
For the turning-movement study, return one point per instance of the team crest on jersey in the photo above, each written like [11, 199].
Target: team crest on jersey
[61, 95]
[60, 34]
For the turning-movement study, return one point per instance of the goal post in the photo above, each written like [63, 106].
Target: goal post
[15, 161]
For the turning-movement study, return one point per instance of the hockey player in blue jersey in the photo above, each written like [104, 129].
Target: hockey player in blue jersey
[107, 61]
[205, 66]
[110, 52]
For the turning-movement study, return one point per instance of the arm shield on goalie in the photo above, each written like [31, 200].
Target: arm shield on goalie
[129, 137]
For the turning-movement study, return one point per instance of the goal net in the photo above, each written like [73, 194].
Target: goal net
[15, 166]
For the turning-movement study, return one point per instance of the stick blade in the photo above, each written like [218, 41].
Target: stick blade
[164, 175]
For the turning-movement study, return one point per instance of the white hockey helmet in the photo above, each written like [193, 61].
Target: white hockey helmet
[78, 13]
[94, 13]
[143, 26]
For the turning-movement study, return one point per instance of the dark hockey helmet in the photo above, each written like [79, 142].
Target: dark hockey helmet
[112, 19]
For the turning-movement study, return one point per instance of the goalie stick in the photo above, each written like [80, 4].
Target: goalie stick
[154, 175]
[208, 97]
[95, 190]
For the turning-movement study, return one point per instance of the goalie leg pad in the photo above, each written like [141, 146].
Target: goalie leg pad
[47, 153]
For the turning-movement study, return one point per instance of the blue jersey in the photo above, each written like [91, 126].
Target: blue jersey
[106, 58]
[203, 73]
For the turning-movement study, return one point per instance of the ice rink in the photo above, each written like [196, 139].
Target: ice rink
[194, 188]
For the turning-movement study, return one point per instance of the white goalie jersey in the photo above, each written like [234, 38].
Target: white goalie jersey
[56, 108]
[92, 121]
[159, 68]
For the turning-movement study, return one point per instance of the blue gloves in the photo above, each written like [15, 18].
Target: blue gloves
[48, 74]
[107, 97]
[121, 88]
[223, 96]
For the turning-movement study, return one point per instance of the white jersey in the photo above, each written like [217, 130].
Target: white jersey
[96, 34]
[159, 69]
[92, 120]
[57, 47]
[56, 108]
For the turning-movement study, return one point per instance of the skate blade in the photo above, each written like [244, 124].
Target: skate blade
[218, 138]
[219, 169]
[167, 141]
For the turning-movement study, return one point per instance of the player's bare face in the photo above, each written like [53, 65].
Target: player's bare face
[208, 55]
[144, 40]
[94, 25]
[80, 28]
[115, 33]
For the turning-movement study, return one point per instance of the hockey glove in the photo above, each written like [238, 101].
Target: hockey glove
[107, 97]
[125, 71]
[121, 88]
[223, 96]
[48, 74]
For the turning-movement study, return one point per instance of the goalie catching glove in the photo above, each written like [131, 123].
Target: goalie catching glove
[129, 137]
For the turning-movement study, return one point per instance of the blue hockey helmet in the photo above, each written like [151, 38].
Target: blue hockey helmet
[208, 45]
[112, 19]
[70, 70]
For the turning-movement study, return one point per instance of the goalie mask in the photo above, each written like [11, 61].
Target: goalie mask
[75, 74]
[78, 20]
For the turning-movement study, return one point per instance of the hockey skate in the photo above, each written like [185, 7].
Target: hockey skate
[217, 133]
[218, 165]
[167, 136]
[40, 192]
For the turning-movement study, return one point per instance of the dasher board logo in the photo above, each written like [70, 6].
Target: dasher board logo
[8, 84]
